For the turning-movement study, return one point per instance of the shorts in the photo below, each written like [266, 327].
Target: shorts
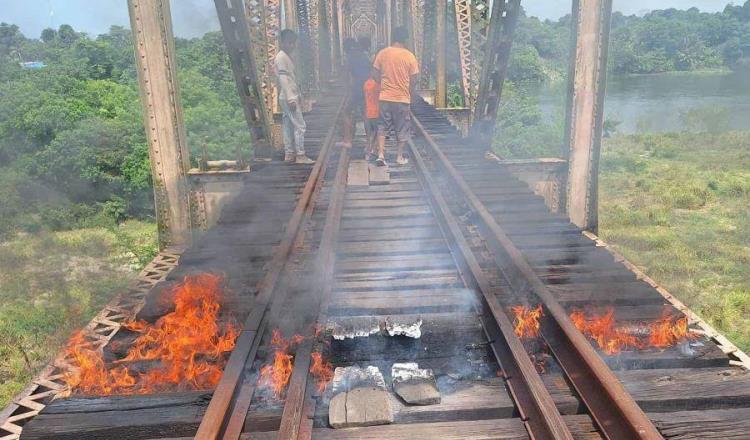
[395, 117]
[371, 126]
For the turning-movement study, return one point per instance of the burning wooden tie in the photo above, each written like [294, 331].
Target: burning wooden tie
[663, 333]
[359, 398]
[414, 385]
[183, 350]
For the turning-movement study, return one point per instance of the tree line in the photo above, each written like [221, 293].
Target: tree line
[72, 145]
[659, 41]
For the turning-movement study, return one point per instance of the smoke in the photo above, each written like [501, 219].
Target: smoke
[191, 18]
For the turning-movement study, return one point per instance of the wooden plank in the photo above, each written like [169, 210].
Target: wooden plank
[143, 417]
[704, 425]
[387, 223]
[499, 429]
[396, 247]
[368, 213]
[377, 263]
[391, 234]
[399, 306]
[400, 284]
[358, 173]
[385, 203]
[379, 175]
[579, 294]
[384, 193]
[686, 389]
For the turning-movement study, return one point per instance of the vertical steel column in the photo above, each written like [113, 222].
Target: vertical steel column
[151, 22]
[441, 89]
[315, 28]
[416, 29]
[585, 112]
[343, 32]
[428, 45]
[290, 14]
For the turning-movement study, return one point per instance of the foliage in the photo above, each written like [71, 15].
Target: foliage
[677, 205]
[521, 130]
[660, 41]
[72, 143]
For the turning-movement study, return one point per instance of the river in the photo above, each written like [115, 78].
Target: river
[656, 103]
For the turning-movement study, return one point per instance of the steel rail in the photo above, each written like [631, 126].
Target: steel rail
[292, 416]
[617, 415]
[533, 401]
[215, 418]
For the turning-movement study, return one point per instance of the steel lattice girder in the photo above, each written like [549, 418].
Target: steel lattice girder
[245, 41]
[463, 29]
[497, 50]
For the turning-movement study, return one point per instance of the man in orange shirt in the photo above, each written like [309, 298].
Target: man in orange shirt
[396, 68]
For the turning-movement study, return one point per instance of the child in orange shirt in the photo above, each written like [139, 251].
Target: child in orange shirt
[372, 116]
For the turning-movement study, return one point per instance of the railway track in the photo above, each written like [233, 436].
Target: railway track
[451, 240]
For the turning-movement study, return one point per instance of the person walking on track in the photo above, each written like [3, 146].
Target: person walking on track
[358, 66]
[397, 69]
[290, 101]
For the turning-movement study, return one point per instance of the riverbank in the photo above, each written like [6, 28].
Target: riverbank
[52, 283]
[677, 205]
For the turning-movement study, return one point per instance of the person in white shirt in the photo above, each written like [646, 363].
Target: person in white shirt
[290, 101]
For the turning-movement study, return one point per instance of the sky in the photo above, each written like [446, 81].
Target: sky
[196, 17]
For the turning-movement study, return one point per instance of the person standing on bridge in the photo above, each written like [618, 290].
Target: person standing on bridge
[396, 68]
[290, 101]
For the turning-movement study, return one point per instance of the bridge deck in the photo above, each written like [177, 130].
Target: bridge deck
[397, 256]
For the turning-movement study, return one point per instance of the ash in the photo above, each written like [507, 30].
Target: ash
[402, 372]
[404, 327]
[349, 378]
[365, 326]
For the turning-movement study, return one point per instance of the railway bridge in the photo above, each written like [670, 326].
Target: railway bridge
[458, 296]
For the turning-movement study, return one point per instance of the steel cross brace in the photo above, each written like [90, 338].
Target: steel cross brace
[245, 38]
[497, 48]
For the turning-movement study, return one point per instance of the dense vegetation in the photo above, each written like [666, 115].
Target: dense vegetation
[72, 144]
[660, 41]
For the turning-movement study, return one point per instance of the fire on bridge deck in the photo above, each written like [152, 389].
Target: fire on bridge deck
[453, 297]
[395, 260]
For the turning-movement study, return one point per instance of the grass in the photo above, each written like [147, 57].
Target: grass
[678, 206]
[52, 283]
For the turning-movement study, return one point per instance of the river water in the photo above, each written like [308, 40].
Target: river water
[656, 103]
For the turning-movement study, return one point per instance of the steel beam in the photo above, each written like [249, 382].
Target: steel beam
[244, 46]
[502, 26]
[441, 90]
[151, 22]
[585, 111]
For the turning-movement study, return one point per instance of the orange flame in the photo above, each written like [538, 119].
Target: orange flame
[277, 375]
[187, 344]
[526, 321]
[321, 370]
[663, 333]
